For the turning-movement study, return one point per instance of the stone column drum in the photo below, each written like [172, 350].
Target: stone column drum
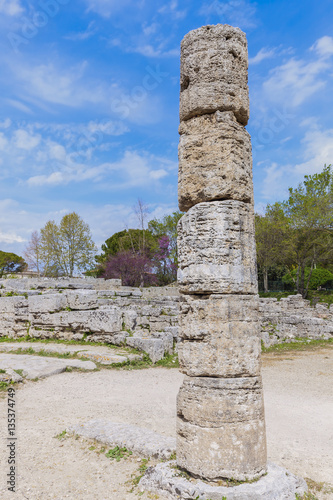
[220, 410]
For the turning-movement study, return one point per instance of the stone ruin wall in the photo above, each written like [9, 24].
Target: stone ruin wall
[147, 318]
[61, 309]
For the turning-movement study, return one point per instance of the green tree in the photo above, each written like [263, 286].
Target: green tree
[68, 247]
[11, 263]
[309, 209]
[272, 240]
[128, 240]
[167, 226]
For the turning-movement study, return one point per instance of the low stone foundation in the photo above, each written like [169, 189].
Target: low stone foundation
[147, 318]
[277, 484]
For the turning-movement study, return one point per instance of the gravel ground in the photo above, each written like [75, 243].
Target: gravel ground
[299, 406]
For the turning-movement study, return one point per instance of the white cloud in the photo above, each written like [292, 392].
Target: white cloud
[239, 13]
[318, 151]
[6, 123]
[19, 105]
[10, 238]
[134, 169]
[172, 9]
[3, 142]
[83, 35]
[11, 7]
[107, 7]
[150, 29]
[323, 46]
[24, 140]
[297, 79]
[150, 51]
[263, 54]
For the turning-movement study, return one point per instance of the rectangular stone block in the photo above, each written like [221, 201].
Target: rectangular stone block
[211, 402]
[216, 249]
[47, 303]
[233, 450]
[213, 72]
[219, 336]
[12, 304]
[215, 160]
[82, 301]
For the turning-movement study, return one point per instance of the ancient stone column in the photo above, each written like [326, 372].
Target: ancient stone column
[220, 411]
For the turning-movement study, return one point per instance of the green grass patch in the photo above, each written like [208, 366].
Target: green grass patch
[62, 435]
[118, 453]
[298, 344]
[141, 471]
[169, 361]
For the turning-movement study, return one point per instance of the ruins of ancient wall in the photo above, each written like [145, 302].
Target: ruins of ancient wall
[112, 316]
[293, 318]
[156, 309]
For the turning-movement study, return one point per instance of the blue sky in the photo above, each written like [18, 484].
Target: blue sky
[89, 96]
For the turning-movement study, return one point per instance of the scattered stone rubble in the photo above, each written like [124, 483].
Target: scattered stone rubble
[33, 367]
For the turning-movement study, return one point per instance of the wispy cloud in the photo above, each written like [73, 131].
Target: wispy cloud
[83, 35]
[323, 46]
[134, 169]
[11, 7]
[317, 150]
[263, 54]
[297, 79]
[241, 13]
[172, 9]
[106, 8]
[10, 238]
[150, 51]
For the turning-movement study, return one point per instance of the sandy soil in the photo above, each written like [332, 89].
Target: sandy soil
[299, 408]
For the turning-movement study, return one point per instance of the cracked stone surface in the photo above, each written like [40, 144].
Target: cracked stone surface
[277, 484]
[40, 367]
[100, 354]
[217, 252]
[215, 160]
[136, 439]
[220, 413]
[213, 72]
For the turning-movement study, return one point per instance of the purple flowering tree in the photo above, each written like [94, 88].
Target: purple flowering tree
[133, 268]
[165, 268]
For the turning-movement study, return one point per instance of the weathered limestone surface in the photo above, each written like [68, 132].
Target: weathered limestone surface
[219, 336]
[220, 410]
[203, 316]
[213, 72]
[210, 402]
[224, 417]
[215, 160]
[278, 484]
[236, 450]
[292, 317]
[216, 249]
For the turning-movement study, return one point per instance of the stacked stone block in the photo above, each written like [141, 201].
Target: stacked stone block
[220, 424]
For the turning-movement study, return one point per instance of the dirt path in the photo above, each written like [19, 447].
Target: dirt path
[299, 408]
